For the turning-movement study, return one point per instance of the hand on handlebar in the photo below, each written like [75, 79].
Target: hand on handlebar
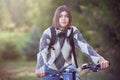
[40, 73]
[95, 67]
[103, 63]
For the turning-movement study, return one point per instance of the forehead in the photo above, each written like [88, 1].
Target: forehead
[63, 13]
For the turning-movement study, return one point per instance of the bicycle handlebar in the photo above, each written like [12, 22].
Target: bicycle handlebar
[92, 67]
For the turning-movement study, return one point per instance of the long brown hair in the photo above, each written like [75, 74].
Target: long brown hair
[57, 14]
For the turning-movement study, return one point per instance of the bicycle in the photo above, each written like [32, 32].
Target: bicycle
[91, 67]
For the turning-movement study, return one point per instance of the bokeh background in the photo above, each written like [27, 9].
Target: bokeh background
[23, 21]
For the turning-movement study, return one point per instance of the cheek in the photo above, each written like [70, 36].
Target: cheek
[60, 20]
[67, 19]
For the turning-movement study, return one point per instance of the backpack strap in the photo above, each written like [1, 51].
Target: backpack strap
[73, 47]
[53, 37]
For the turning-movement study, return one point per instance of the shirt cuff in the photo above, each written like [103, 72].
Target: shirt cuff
[95, 59]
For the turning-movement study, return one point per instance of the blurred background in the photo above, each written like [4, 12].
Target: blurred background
[23, 21]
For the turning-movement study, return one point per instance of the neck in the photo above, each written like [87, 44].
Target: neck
[62, 28]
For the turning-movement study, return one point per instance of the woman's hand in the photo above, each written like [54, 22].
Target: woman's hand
[103, 63]
[40, 73]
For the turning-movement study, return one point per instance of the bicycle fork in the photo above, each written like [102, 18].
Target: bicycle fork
[70, 76]
[73, 75]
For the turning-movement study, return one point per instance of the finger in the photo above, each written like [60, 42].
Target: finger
[107, 64]
[102, 65]
[42, 73]
[38, 74]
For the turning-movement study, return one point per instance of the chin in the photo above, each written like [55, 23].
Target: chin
[64, 25]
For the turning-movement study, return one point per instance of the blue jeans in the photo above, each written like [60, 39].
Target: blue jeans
[64, 75]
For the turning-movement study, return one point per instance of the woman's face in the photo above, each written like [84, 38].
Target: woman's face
[63, 20]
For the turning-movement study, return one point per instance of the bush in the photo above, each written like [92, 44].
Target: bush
[9, 52]
[31, 47]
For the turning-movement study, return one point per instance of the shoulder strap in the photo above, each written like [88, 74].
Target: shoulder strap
[53, 37]
[73, 47]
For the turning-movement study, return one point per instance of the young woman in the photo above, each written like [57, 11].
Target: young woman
[61, 54]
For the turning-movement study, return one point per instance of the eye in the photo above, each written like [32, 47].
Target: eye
[60, 16]
[66, 16]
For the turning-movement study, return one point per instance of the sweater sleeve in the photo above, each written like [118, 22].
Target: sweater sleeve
[82, 45]
[43, 48]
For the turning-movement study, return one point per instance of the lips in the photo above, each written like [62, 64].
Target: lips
[63, 22]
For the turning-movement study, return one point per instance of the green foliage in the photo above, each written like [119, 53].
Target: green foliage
[18, 38]
[37, 12]
[30, 13]
[15, 40]
[5, 15]
[31, 47]
[9, 52]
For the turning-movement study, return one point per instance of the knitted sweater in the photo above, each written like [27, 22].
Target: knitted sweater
[61, 55]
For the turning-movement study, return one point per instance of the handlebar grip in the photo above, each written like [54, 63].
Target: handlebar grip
[92, 67]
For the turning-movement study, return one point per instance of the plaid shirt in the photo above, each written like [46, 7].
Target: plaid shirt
[61, 55]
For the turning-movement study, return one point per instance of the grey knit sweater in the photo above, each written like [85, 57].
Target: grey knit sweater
[61, 55]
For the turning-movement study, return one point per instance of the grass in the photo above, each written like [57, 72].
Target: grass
[18, 70]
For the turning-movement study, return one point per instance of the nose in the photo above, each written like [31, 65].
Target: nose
[63, 18]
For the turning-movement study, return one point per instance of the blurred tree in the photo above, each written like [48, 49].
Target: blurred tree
[5, 17]
[15, 9]
[37, 12]
[25, 12]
